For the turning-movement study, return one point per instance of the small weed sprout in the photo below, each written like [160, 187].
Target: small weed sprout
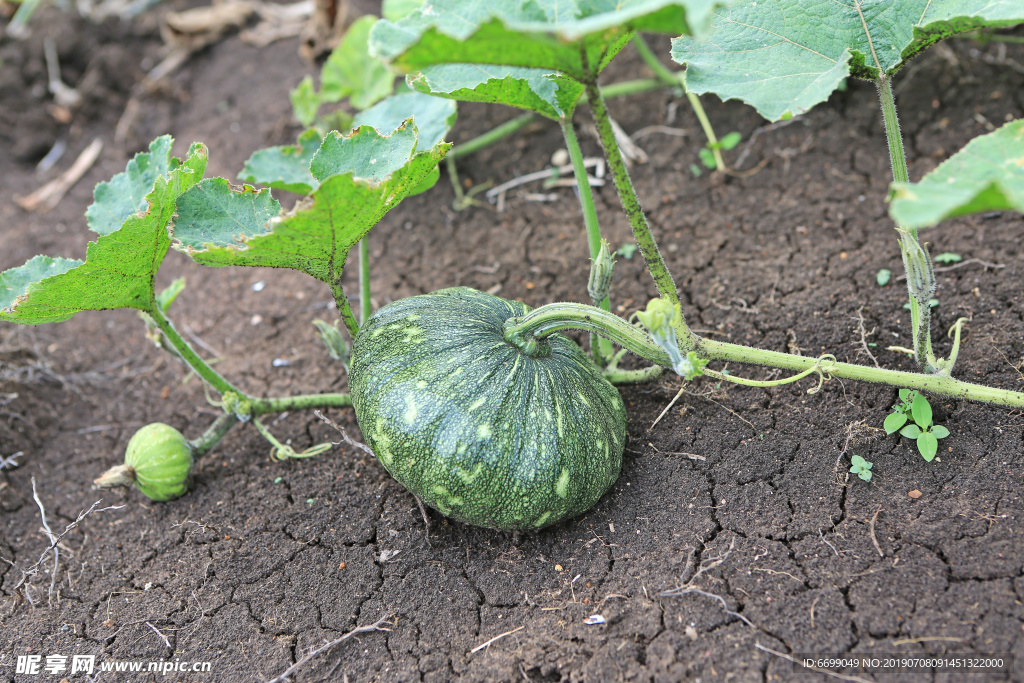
[915, 409]
[861, 467]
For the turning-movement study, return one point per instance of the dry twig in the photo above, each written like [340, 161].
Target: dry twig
[495, 639]
[705, 567]
[50, 194]
[871, 529]
[376, 626]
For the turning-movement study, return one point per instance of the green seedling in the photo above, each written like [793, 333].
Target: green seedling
[861, 467]
[900, 412]
[707, 153]
[627, 250]
[948, 257]
[915, 408]
[883, 276]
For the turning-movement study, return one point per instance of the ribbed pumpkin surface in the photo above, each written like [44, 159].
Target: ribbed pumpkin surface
[474, 427]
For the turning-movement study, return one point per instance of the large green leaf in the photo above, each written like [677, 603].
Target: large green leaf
[433, 117]
[538, 90]
[315, 237]
[365, 153]
[351, 72]
[119, 267]
[575, 37]
[16, 282]
[285, 167]
[214, 213]
[125, 193]
[986, 175]
[785, 56]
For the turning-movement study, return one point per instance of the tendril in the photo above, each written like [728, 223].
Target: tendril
[822, 366]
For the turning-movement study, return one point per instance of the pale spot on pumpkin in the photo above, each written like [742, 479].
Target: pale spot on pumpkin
[468, 477]
[411, 411]
[543, 518]
[562, 485]
[483, 431]
[447, 498]
[477, 403]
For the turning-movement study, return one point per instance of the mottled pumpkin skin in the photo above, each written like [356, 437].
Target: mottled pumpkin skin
[161, 459]
[474, 427]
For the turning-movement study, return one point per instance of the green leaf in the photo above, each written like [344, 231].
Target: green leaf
[393, 10]
[537, 90]
[922, 411]
[785, 56]
[351, 72]
[364, 152]
[905, 394]
[707, 157]
[894, 421]
[305, 101]
[16, 282]
[168, 294]
[729, 141]
[928, 446]
[212, 213]
[317, 235]
[124, 194]
[428, 182]
[575, 37]
[285, 167]
[940, 432]
[119, 267]
[986, 175]
[861, 467]
[883, 276]
[948, 257]
[433, 117]
[911, 431]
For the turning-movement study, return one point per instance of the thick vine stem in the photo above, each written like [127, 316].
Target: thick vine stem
[345, 309]
[561, 316]
[910, 248]
[525, 332]
[627, 195]
[934, 384]
[191, 358]
[214, 433]
[257, 406]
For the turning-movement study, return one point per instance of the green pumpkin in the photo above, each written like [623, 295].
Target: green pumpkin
[476, 428]
[160, 460]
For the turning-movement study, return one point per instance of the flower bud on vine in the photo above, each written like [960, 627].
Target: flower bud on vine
[233, 403]
[918, 265]
[600, 282]
[336, 345]
[660, 319]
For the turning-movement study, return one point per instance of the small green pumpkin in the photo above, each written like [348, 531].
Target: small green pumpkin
[476, 428]
[158, 461]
